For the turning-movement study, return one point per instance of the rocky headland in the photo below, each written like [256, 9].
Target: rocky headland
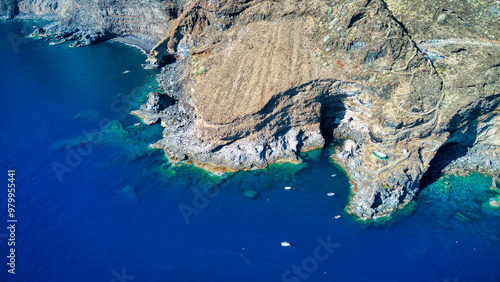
[397, 84]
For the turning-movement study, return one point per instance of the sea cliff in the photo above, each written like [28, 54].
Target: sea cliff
[250, 83]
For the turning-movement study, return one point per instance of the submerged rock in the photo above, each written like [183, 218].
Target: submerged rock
[495, 202]
[130, 189]
[250, 194]
[88, 115]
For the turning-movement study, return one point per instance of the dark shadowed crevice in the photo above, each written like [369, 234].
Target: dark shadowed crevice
[167, 60]
[300, 138]
[459, 50]
[331, 114]
[444, 156]
[16, 10]
[377, 201]
[327, 126]
[173, 12]
[354, 19]
[396, 20]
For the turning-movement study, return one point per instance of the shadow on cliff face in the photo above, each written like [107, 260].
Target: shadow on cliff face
[16, 9]
[295, 106]
[332, 111]
[444, 156]
[167, 60]
[463, 136]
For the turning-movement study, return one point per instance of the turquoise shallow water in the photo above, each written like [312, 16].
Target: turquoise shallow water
[120, 213]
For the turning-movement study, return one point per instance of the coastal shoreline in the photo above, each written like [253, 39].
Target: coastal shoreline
[395, 98]
[134, 42]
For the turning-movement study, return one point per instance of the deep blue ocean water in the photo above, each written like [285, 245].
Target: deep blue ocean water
[114, 212]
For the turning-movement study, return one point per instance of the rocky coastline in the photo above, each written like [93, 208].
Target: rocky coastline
[137, 43]
[248, 83]
[480, 158]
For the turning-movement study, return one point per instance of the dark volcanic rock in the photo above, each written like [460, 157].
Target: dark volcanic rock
[157, 102]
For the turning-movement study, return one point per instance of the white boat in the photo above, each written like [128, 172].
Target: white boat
[288, 188]
[285, 244]
[330, 194]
